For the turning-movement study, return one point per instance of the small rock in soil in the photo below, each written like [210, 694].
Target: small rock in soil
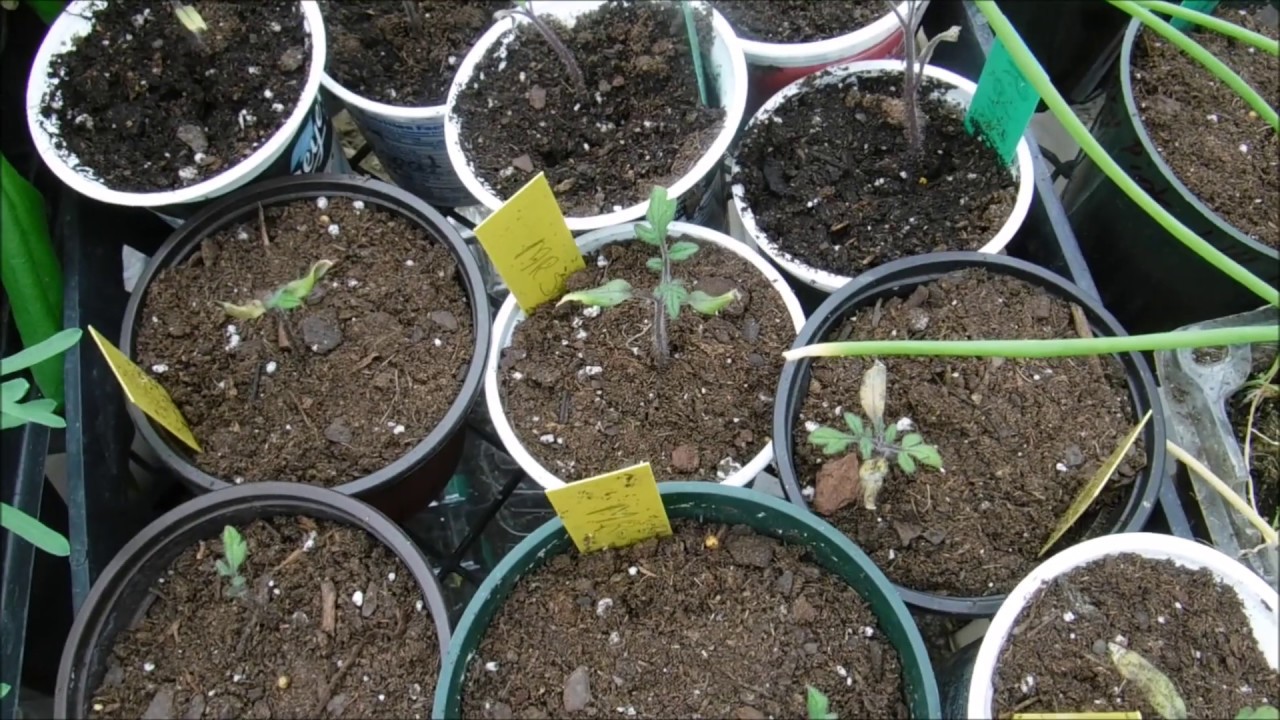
[1074, 457]
[321, 334]
[161, 707]
[837, 485]
[684, 459]
[751, 330]
[577, 690]
[370, 605]
[785, 582]
[803, 611]
[292, 59]
[338, 432]
[444, 319]
[906, 531]
[196, 709]
[337, 704]
[537, 98]
[747, 712]
[523, 163]
[754, 550]
[500, 711]
[193, 137]
[935, 536]
[115, 673]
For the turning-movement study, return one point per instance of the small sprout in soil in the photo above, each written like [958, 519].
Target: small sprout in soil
[525, 8]
[913, 70]
[413, 13]
[191, 21]
[711, 542]
[234, 552]
[670, 294]
[1155, 685]
[876, 442]
[818, 704]
[1262, 712]
[286, 297]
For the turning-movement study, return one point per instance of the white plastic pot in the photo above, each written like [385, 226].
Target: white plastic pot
[773, 66]
[510, 316]
[1259, 599]
[409, 142]
[742, 222]
[727, 70]
[304, 143]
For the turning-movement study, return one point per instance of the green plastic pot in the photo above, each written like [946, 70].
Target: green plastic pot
[708, 502]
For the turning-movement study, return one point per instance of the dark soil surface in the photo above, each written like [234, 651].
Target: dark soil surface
[671, 629]
[798, 21]
[1264, 445]
[378, 51]
[1215, 144]
[1018, 438]
[357, 376]
[831, 179]
[639, 122]
[146, 109]
[297, 645]
[1182, 621]
[585, 396]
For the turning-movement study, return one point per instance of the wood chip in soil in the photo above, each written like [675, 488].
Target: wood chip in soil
[380, 52]
[831, 181]
[798, 21]
[585, 396]
[1213, 141]
[639, 122]
[143, 107]
[1018, 438]
[194, 651]
[671, 629]
[359, 374]
[1264, 447]
[1192, 629]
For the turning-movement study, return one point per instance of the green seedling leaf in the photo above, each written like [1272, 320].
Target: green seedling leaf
[818, 705]
[654, 264]
[1262, 712]
[907, 464]
[33, 531]
[872, 393]
[831, 440]
[40, 412]
[249, 311]
[299, 289]
[189, 18]
[14, 390]
[51, 346]
[891, 433]
[866, 446]
[911, 440]
[925, 455]
[672, 295]
[855, 424]
[1155, 685]
[708, 305]
[607, 295]
[234, 548]
[1094, 487]
[646, 234]
[662, 210]
[4, 689]
[681, 250]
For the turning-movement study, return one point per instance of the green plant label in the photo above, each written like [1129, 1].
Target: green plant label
[1204, 6]
[1003, 104]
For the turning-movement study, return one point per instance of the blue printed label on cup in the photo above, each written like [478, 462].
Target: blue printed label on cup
[414, 154]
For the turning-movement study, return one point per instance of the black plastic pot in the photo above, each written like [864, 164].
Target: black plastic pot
[899, 279]
[1149, 279]
[416, 478]
[119, 592]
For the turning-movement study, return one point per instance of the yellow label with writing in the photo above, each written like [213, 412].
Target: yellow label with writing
[143, 391]
[615, 509]
[530, 245]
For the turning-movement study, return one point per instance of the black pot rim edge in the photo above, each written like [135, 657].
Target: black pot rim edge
[274, 497]
[1141, 382]
[1157, 160]
[298, 187]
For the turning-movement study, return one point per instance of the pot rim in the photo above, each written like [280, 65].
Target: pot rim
[832, 49]
[510, 316]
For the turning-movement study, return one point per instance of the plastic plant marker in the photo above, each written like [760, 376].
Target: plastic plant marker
[612, 510]
[33, 531]
[694, 47]
[1118, 715]
[1205, 6]
[1093, 488]
[143, 391]
[1002, 105]
[530, 244]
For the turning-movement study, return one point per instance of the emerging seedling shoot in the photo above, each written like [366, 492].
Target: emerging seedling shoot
[818, 705]
[191, 21]
[525, 8]
[234, 552]
[670, 294]
[286, 297]
[913, 69]
[876, 442]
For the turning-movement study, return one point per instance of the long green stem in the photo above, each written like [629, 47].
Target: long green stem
[1039, 79]
[1069, 347]
[1218, 25]
[1204, 57]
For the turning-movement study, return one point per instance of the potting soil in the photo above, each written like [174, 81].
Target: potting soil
[798, 21]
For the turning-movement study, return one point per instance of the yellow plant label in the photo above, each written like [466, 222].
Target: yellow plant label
[143, 391]
[530, 245]
[615, 509]
[1093, 488]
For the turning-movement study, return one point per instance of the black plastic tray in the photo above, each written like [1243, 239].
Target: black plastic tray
[1046, 237]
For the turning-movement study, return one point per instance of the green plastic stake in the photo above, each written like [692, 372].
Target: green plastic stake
[1205, 6]
[697, 52]
[30, 272]
[1003, 104]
